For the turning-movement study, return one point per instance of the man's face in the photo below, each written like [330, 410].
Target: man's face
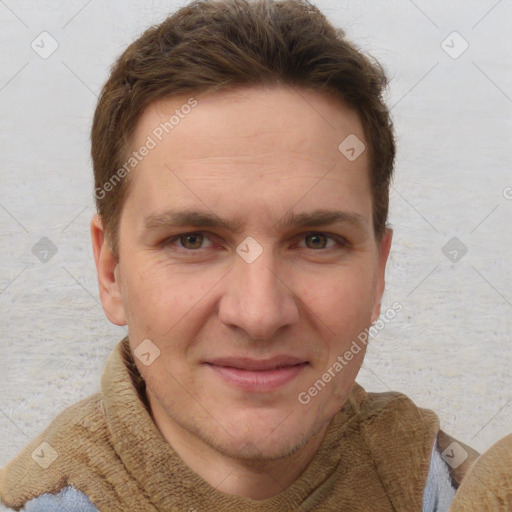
[241, 334]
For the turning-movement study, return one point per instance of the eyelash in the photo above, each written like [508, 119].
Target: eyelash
[339, 240]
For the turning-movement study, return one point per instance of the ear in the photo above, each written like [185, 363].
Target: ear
[383, 252]
[108, 274]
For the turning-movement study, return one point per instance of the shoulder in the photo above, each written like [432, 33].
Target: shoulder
[393, 418]
[391, 423]
[46, 464]
[392, 405]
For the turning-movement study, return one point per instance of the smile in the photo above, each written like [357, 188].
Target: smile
[257, 376]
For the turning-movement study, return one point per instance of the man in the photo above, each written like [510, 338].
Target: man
[242, 157]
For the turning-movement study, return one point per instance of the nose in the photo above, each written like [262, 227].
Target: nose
[257, 299]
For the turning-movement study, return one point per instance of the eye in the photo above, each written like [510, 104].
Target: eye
[190, 241]
[319, 240]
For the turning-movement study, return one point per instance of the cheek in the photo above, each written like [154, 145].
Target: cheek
[146, 298]
[341, 299]
[344, 308]
[161, 301]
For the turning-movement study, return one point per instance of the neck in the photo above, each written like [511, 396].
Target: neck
[255, 479]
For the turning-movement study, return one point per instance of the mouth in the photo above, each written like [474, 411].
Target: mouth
[258, 375]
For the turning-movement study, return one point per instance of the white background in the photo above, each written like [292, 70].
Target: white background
[450, 347]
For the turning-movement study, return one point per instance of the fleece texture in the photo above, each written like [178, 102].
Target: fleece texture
[375, 456]
[438, 495]
[488, 484]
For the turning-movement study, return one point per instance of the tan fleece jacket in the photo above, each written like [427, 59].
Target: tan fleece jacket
[374, 457]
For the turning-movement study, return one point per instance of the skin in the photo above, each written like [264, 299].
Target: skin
[250, 156]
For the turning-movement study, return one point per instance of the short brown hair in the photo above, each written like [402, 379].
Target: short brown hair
[211, 45]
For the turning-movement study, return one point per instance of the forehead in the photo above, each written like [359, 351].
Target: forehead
[237, 113]
[261, 142]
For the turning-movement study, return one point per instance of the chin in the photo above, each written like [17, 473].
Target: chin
[258, 437]
[253, 447]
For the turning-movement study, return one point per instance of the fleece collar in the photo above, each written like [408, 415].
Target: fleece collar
[375, 456]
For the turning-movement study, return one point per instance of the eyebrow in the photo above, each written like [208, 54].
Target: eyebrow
[319, 218]
[316, 218]
[176, 218]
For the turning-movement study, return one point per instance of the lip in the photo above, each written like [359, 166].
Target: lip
[254, 375]
[246, 363]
